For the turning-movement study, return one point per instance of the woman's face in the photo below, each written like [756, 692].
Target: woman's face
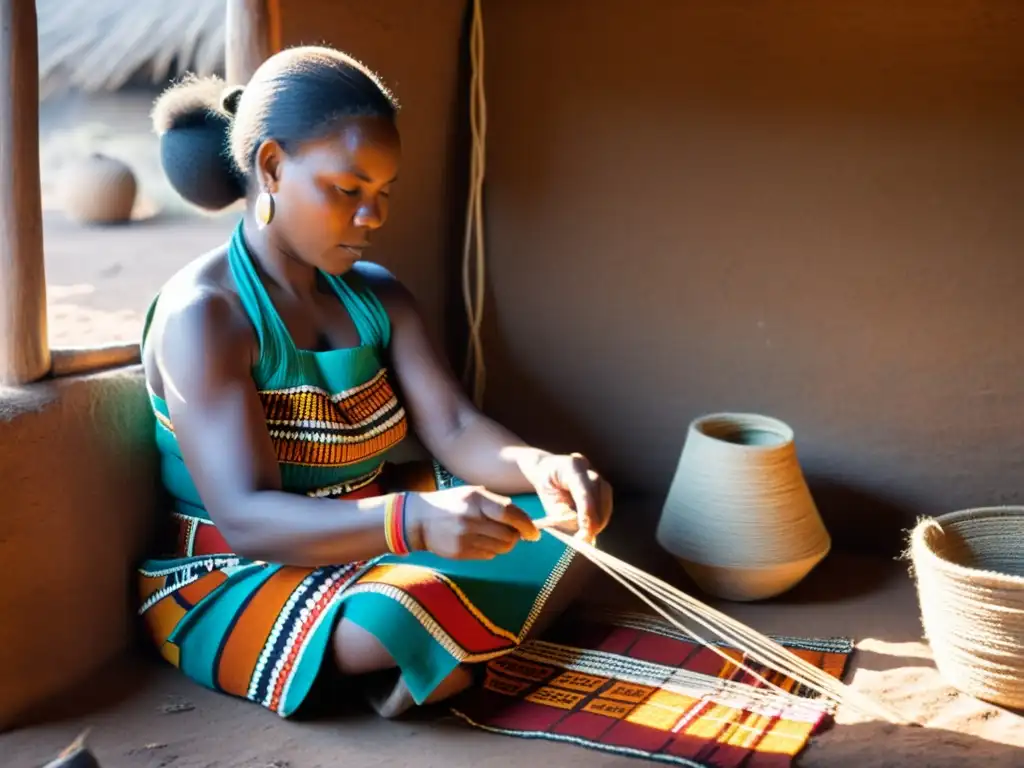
[331, 195]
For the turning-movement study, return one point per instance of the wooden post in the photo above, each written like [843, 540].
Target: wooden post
[253, 35]
[24, 346]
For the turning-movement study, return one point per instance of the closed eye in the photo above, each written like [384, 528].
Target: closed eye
[349, 192]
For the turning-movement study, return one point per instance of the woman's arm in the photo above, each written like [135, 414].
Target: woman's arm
[467, 442]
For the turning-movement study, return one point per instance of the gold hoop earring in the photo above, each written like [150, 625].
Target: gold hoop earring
[264, 209]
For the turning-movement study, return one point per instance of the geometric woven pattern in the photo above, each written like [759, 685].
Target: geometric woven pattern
[632, 684]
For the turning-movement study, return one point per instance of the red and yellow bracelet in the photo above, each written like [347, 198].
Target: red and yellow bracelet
[394, 524]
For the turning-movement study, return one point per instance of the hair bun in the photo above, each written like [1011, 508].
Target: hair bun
[230, 98]
[195, 130]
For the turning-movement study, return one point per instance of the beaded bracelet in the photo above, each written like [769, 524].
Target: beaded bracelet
[394, 524]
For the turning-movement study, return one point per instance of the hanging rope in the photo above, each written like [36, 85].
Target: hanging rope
[473, 257]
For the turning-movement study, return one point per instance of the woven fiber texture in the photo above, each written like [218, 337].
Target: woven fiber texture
[969, 570]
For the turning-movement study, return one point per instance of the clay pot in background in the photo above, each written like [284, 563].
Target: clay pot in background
[739, 516]
[99, 190]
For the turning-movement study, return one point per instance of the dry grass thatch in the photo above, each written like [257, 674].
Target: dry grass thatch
[99, 45]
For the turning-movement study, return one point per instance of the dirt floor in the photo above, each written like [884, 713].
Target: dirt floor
[147, 716]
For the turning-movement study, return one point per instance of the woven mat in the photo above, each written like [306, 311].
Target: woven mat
[634, 685]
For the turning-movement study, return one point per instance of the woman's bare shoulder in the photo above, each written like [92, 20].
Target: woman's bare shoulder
[199, 281]
[198, 308]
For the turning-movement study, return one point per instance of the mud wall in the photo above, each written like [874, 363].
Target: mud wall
[803, 209]
[79, 477]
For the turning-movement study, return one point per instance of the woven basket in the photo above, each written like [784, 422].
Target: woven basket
[969, 569]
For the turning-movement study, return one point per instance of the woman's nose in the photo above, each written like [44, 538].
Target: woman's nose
[368, 215]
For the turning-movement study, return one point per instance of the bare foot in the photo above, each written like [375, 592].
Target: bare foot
[392, 699]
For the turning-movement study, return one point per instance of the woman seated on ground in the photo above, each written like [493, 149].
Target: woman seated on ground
[283, 371]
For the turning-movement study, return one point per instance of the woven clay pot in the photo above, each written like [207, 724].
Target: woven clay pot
[99, 190]
[739, 516]
[969, 569]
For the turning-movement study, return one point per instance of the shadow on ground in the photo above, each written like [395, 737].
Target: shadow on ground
[883, 745]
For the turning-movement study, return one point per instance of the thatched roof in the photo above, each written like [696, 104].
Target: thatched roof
[96, 45]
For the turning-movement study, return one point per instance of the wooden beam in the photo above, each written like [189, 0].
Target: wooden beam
[253, 35]
[75, 360]
[24, 346]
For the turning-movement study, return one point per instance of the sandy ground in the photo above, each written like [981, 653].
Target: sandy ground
[100, 280]
[149, 716]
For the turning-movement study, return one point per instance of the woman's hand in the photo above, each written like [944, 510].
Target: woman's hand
[569, 487]
[466, 523]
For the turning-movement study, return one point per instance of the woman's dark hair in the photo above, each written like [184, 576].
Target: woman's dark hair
[210, 133]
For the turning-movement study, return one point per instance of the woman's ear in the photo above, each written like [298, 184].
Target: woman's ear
[269, 158]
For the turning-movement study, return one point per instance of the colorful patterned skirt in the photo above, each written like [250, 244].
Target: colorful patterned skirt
[260, 631]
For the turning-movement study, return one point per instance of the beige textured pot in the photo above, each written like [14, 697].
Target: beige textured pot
[739, 516]
[99, 190]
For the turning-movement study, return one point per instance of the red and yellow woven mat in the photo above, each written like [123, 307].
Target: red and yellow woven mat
[634, 685]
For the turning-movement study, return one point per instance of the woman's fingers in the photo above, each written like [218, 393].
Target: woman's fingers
[583, 484]
[476, 552]
[500, 537]
[607, 503]
[500, 509]
[560, 510]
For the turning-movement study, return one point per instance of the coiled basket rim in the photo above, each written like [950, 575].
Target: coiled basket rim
[929, 531]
